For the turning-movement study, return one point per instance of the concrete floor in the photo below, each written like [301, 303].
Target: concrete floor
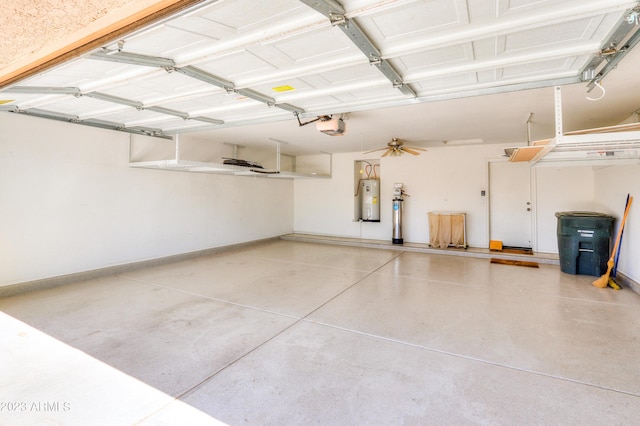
[289, 332]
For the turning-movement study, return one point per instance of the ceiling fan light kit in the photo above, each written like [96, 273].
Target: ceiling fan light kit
[396, 148]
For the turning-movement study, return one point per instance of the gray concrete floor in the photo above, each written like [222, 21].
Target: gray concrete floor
[290, 332]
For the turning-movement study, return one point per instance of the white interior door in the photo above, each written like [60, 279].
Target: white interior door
[510, 204]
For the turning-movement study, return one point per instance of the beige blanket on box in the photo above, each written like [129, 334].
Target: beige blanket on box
[446, 229]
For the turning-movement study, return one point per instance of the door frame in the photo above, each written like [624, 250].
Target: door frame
[534, 202]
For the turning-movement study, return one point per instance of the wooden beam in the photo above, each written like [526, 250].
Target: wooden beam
[525, 153]
[106, 30]
[631, 127]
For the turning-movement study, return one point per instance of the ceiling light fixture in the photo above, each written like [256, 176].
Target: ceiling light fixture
[463, 142]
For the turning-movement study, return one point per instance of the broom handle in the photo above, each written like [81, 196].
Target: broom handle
[615, 262]
[618, 238]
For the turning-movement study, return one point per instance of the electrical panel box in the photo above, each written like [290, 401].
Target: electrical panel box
[397, 190]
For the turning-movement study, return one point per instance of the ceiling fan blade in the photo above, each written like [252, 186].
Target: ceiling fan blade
[410, 151]
[369, 152]
[389, 151]
[415, 147]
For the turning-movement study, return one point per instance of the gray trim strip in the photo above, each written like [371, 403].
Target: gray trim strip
[46, 283]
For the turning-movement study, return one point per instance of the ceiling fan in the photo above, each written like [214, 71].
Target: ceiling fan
[396, 147]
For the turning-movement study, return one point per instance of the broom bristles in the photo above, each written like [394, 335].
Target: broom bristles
[603, 281]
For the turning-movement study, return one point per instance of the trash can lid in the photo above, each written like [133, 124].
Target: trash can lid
[582, 214]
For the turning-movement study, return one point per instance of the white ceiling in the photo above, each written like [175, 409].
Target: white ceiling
[229, 62]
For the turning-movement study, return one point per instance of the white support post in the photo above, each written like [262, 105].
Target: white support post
[557, 92]
[177, 148]
[278, 155]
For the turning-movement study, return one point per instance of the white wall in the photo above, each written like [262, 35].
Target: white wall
[560, 189]
[449, 179]
[70, 203]
[325, 206]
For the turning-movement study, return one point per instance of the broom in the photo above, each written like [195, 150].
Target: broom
[604, 279]
[615, 263]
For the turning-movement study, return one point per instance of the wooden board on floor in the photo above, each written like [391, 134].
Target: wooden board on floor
[515, 263]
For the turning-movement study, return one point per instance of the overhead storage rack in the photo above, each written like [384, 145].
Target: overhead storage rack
[613, 145]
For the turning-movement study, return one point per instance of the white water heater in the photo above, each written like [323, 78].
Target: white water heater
[370, 200]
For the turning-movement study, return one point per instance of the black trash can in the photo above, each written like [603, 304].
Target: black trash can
[584, 240]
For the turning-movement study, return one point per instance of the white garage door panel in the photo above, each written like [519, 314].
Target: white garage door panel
[445, 47]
